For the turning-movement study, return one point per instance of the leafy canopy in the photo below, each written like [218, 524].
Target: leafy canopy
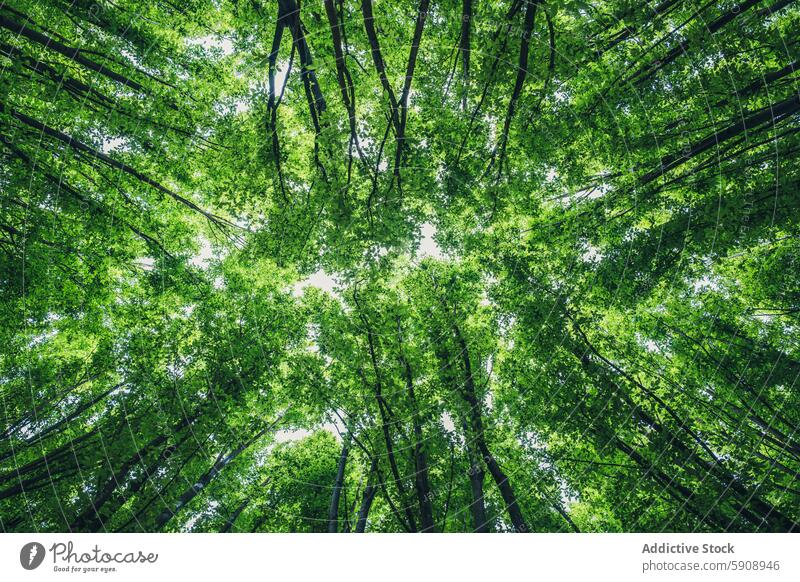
[419, 265]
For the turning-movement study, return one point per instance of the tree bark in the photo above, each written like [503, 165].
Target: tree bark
[369, 495]
[220, 464]
[500, 478]
[421, 479]
[480, 523]
[69, 52]
[333, 510]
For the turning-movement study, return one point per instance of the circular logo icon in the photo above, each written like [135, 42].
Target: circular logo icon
[31, 555]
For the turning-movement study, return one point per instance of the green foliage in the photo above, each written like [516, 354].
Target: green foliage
[399, 266]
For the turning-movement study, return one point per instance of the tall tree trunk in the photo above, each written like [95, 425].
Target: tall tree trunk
[369, 495]
[385, 424]
[421, 479]
[91, 518]
[235, 515]
[477, 508]
[220, 464]
[750, 505]
[500, 478]
[333, 510]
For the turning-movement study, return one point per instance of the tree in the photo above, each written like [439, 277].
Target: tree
[369, 266]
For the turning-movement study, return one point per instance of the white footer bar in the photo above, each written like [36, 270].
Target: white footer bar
[461, 557]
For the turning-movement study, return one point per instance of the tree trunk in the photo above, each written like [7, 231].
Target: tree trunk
[480, 524]
[500, 478]
[193, 491]
[421, 479]
[369, 495]
[333, 510]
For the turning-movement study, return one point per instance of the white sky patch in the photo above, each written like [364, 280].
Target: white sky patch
[593, 193]
[705, 283]
[592, 254]
[290, 435]
[447, 422]
[134, 58]
[320, 280]
[335, 428]
[145, 263]
[203, 258]
[379, 251]
[428, 246]
[49, 318]
[176, 370]
[281, 70]
[449, 426]
[648, 344]
[114, 144]
[210, 42]
[296, 434]
[332, 428]
[600, 191]
[40, 338]
[491, 121]
[534, 441]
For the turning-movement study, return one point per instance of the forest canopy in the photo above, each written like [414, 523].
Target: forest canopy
[399, 265]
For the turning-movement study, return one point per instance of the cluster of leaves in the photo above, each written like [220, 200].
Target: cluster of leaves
[600, 334]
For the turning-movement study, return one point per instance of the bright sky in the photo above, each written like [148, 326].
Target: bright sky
[428, 246]
[289, 435]
[280, 76]
[320, 280]
[327, 283]
[203, 258]
[211, 42]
